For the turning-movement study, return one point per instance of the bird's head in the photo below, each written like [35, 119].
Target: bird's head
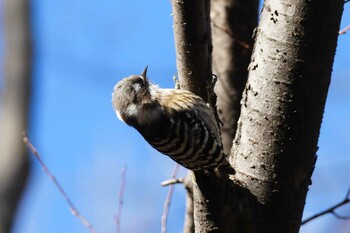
[129, 94]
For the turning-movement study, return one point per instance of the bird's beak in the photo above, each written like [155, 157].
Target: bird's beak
[144, 73]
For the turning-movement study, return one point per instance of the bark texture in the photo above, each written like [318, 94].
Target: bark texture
[14, 100]
[189, 221]
[193, 59]
[233, 22]
[193, 45]
[212, 203]
[274, 151]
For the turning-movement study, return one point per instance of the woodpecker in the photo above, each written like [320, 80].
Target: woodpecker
[175, 122]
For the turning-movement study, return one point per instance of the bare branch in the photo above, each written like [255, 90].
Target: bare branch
[347, 196]
[120, 203]
[189, 220]
[343, 31]
[172, 181]
[168, 199]
[331, 210]
[233, 23]
[340, 216]
[72, 208]
[15, 95]
[188, 185]
[189, 223]
[193, 45]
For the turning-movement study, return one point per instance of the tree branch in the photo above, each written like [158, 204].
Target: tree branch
[211, 211]
[168, 200]
[343, 31]
[192, 43]
[72, 208]
[172, 181]
[233, 22]
[14, 105]
[189, 221]
[282, 106]
[331, 210]
[193, 60]
[120, 202]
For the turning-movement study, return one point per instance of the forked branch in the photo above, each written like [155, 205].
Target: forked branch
[331, 210]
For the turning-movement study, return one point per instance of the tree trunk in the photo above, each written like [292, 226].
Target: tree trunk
[211, 209]
[283, 101]
[14, 166]
[274, 150]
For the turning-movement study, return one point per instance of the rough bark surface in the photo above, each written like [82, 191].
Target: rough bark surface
[233, 22]
[189, 221]
[282, 105]
[193, 59]
[274, 151]
[14, 164]
[193, 45]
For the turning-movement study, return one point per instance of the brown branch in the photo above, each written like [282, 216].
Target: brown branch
[233, 22]
[72, 208]
[193, 59]
[331, 210]
[168, 199]
[189, 220]
[172, 181]
[343, 31]
[120, 203]
[192, 43]
[15, 96]
[187, 183]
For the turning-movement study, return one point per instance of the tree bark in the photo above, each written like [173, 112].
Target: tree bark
[189, 221]
[274, 151]
[233, 22]
[211, 195]
[193, 59]
[193, 45]
[283, 101]
[14, 165]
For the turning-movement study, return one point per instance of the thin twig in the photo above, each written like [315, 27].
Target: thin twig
[121, 201]
[343, 31]
[72, 208]
[340, 216]
[168, 199]
[331, 210]
[172, 181]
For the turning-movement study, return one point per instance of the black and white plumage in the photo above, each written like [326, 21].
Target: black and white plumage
[177, 123]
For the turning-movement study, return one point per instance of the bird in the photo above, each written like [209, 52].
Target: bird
[175, 122]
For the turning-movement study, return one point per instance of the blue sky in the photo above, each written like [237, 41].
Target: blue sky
[81, 49]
